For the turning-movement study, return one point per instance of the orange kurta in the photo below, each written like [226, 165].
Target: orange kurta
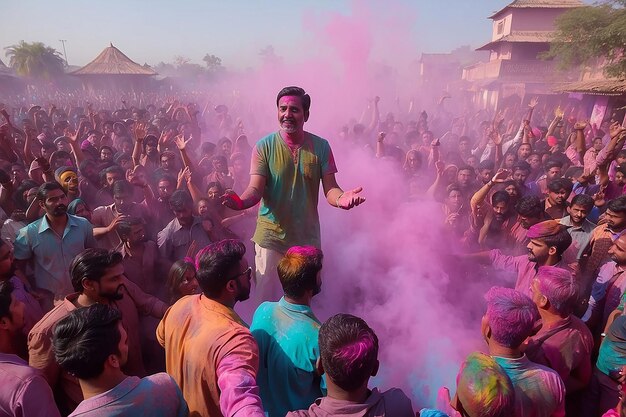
[212, 356]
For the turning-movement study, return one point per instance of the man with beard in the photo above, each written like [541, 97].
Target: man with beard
[580, 227]
[529, 212]
[51, 243]
[209, 350]
[602, 238]
[556, 203]
[548, 241]
[289, 165]
[92, 344]
[176, 239]
[105, 219]
[553, 170]
[286, 332]
[97, 277]
[521, 171]
[166, 185]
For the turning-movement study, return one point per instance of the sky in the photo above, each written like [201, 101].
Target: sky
[151, 31]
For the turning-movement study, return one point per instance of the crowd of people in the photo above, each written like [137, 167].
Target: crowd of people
[132, 228]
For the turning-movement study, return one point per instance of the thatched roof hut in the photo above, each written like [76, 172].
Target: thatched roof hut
[113, 68]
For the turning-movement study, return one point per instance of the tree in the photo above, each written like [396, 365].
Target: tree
[213, 63]
[269, 57]
[589, 33]
[35, 60]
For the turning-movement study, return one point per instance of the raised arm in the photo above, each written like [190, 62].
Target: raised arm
[181, 143]
[139, 132]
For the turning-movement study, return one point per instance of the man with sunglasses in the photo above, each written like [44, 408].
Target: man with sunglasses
[209, 350]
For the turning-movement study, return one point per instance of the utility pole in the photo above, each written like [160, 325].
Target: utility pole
[64, 53]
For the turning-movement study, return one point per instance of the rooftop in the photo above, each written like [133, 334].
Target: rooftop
[112, 61]
[520, 37]
[539, 4]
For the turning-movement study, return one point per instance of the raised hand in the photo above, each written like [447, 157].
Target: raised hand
[496, 137]
[616, 129]
[71, 134]
[581, 125]
[440, 166]
[501, 176]
[181, 142]
[533, 102]
[139, 131]
[381, 137]
[558, 112]
[186, 174]
[350, 199]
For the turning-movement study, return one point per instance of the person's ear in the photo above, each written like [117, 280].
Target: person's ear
[552, 251]
[88, 284]
[114, 361]
[4, 323]
[306, 116]
[375, 368]
[231, 286]
[319, 367]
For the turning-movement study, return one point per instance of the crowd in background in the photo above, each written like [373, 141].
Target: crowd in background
[112, 211]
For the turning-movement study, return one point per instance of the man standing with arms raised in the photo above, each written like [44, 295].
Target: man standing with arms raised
[286, 170]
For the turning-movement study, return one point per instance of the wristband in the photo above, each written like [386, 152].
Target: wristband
[337, 201]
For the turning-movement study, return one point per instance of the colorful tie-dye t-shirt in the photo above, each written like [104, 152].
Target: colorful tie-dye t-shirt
[288, 211]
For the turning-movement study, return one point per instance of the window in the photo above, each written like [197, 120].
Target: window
[500, 28]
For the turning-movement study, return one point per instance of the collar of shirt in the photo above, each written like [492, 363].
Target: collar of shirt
[71, 222]
[177, 225]
[614, 235]
[297, 308]
[221, 309]
[114, 394]
[586, 226]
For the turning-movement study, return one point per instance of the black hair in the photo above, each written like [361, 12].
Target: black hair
[207, 147]
[529, 206]
[216, 264]
[46, 187]
[113, 169]
[500, 197]
[6, 288]
[124, 227]
[552, 162]
[297, 92]
[348, 350]
[558, 184]
[617, 205]
[92, 264]
[467, 168]
[181, 200]
[216, 184]
[123, 187]
[85, 338]
[561, 241]
[521, 166]
[583, 200]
